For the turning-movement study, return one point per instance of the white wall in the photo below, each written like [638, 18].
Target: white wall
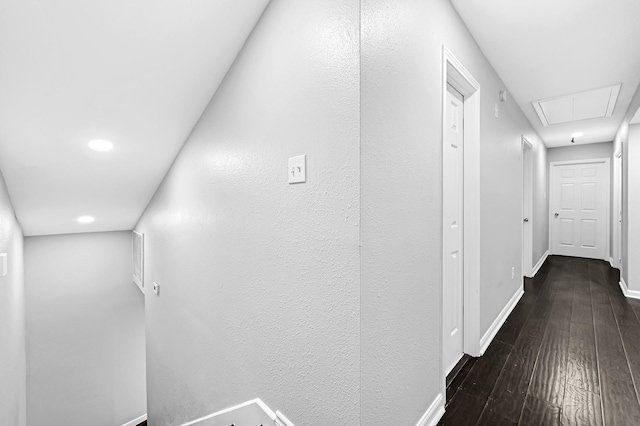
[85, 331]
[581, 152]
[540, 203]
[259, 279]
[12, 318]
[401, 200]
[632, 166]
[628, 181]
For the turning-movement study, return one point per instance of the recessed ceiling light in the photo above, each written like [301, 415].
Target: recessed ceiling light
[86, 219]
[101, 145]
[577, 134]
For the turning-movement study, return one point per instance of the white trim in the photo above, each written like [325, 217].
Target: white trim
[136, 422]
[607, 210]
[611, 262]
[540, 263]
[495, 327]
[256, 401]
[631, 294]
[434, 413]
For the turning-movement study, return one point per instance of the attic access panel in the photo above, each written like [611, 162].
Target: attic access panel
[597, 103]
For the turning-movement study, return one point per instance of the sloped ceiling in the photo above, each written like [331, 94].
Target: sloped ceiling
[636, 118]
[548, 48]
[138, 73]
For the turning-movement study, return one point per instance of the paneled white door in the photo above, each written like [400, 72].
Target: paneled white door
[579, 209]
[453, 212]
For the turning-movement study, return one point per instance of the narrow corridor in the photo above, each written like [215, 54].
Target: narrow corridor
[569, 354]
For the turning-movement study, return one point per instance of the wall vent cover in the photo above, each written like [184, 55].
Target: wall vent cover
[138, 259]
[597, 103]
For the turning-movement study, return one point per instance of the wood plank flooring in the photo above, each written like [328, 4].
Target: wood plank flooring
[569, 354]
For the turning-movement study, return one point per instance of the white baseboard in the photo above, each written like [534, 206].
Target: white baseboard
[434, 413]
[611, 261]
[495, 327]
[136, 422]
[631, 294]
[539, 264]
[251, 412]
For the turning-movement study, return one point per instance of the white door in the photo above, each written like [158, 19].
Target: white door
[453, 188]
[579, 209]
[527, 208]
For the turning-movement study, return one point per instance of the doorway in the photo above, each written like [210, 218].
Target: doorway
[527, 208]
[579, 208]
[460, 315]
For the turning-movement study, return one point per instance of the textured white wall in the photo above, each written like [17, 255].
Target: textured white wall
[259, 279]
[12, 318]
[401, 200]
[85, 331]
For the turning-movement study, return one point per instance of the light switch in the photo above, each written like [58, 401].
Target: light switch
[497, 111]
[3, 264]
[298, 169]
[156, 288]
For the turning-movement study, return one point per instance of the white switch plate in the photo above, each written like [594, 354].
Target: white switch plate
[3, 264]
[156, 288]
[298, 169]
[497, 111]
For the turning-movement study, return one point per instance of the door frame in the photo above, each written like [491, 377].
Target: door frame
[607, 185]
[527, 194]
[455, 74]
[616, 220]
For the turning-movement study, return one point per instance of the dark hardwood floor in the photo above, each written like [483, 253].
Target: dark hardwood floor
[569, 354]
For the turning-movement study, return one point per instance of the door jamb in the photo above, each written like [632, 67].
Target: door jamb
[607, 174]
[454, 73]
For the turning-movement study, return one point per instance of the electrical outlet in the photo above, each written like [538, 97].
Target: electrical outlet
[513, 272]
[298, 169]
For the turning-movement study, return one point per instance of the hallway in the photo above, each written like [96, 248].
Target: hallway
[568, 354]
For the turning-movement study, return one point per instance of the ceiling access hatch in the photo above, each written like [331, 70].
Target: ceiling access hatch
[597, 103]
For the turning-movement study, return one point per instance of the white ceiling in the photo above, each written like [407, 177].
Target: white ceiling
[138, 73]
[549, 48]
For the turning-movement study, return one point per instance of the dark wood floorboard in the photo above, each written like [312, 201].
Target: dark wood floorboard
[486, 370]
[580, 407]
[538, 412]
[619, 399]
[569, 354]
